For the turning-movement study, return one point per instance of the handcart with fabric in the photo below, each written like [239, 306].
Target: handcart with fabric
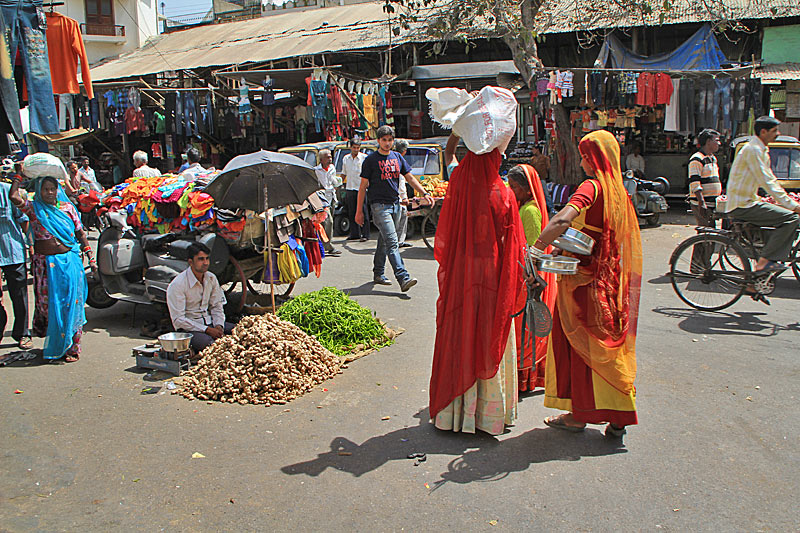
[154, 220]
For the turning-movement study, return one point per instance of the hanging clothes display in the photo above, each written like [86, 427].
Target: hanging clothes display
[24, 24]
[319, 101]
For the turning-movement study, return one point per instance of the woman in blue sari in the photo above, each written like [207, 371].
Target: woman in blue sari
[59, 281]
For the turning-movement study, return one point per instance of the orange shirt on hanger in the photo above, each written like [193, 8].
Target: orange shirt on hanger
[65, 48]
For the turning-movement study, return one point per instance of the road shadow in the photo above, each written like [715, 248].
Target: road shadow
[371, 289]
[417, 252]
[721, 323]
[664, 279]
[480, 457]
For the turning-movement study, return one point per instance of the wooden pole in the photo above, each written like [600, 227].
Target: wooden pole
[268, 246]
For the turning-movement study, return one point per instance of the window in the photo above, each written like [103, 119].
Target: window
[100, 12]
[423, 161]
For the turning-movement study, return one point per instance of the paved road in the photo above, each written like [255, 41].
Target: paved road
[717, 447]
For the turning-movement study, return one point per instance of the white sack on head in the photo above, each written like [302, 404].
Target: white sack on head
[42, 164]
[484, 122]
[447, 104]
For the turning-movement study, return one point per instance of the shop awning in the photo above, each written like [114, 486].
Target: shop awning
[274, 37]
[783, 71]
[66, 137]
[460, 71]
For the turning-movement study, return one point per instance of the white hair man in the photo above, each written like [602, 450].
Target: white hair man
[142, 170]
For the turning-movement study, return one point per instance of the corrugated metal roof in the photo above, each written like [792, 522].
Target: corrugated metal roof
[781, 71]
[365, 25]
[560, 16]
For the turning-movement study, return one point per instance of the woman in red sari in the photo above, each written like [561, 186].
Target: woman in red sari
[527, 188]
[591, 356]
[479, 244]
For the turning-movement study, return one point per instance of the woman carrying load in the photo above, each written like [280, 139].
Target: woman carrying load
[527, 188]
[591, 354]
[58, 276]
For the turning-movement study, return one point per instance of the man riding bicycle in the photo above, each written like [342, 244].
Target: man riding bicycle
[750, 171]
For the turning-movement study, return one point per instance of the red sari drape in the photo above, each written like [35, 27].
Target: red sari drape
[479, 241]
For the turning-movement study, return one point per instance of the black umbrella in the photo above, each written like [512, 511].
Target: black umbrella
[288, 180]
[260, 181]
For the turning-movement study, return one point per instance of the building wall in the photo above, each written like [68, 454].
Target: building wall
[137, 16]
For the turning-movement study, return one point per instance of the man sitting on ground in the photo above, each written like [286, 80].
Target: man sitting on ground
[195, 300]
[750, 171]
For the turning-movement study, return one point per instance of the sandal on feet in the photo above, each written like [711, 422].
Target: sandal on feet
[558, 423]
[615, 432]
[25, 343]
[71, 358]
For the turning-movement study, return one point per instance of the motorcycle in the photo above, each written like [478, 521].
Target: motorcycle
[139, 268]
[91, 211]
[647, 196]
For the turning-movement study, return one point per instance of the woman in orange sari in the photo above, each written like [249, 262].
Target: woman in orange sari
[591, 356]
[527, 188]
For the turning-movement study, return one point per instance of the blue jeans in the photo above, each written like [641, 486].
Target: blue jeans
[724, 95]
[190, 114]
[23, 18]
[9, 119]
[386, 217]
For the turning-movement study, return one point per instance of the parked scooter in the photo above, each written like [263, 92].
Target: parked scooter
[139, 269]
[647, 196]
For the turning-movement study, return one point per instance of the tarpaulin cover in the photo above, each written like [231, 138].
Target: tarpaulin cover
[700, 52]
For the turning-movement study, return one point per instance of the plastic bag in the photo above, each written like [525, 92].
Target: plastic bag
[42, 164]
[484, 122]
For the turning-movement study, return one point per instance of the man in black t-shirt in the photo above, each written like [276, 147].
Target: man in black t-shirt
[380, 182]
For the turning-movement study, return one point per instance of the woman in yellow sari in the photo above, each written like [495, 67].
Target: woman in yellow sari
[591, 355]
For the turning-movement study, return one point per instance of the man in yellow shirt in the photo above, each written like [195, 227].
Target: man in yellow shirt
[750, 171]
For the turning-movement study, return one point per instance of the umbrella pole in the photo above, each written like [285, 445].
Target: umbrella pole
[268, 244]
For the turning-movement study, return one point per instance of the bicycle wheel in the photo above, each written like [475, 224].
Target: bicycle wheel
[709, 272]
[428, 229]
[794, 257]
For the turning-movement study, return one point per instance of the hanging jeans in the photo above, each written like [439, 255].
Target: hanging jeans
[9, 120]
[25, 28]
[597, 87]
[190, 114]
[66, 110]
[723, 92]
[740, 100]
[179, 114]
[386, 217]
[704, 99]
[170, 118]
[686, 116]
[94, 113]
[210, 113]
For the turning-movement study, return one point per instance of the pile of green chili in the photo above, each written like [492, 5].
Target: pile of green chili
[340, 324]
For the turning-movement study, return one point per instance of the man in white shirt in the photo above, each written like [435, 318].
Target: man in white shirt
[328, 180]
[750, 171]
[401, 147]
[142, 170]
[635, 161]
[195, 300]
[194, 168]
[86, 170]
[351, 167]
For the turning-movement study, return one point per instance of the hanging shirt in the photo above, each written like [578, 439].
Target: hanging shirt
[65, 49]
